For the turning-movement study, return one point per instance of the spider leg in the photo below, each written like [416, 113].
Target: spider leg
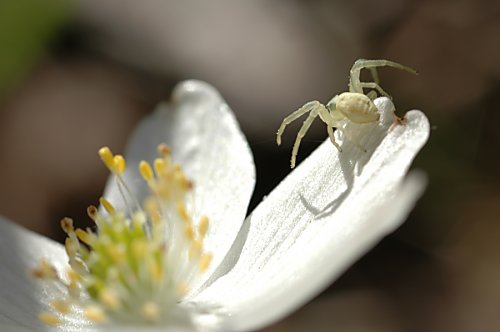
[373, 85]
[329, 129]
[303, 130]
[372, 95]
[374, 73]
[363, 63]
[294, 116]
[354, 81]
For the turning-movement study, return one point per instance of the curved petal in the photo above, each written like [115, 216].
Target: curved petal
[206, 140]
[319, 220]
[21, 299]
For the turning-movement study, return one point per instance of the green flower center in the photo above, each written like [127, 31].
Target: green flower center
[136, 265]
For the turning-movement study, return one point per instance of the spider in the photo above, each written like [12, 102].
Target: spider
[354, 105]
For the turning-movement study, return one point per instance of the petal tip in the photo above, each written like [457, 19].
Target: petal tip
[194, 89]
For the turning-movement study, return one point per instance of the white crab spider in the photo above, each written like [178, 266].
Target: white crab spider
[353, 105]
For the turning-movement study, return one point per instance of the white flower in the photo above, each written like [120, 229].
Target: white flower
[317, 221]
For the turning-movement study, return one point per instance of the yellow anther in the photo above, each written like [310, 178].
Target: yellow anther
[163, 150]
[116, 253]
[181, 209]
[151, 207]
[119, 163]
[95, 314]
[203, 226]
[145, 170]
[49, 318]
[181, 179]
[195, 249]
[109, 299]
[150, 310]
[205, 262]
[160, 166]
[45, 270]
[155, 271]
[92, 212]
[188, 231]
[107, 205]
[67, 225]
[73, 289]
[61, 306]
[84, 236]
[182, 287]
[107, 158]
[77, 265]
[72, 275]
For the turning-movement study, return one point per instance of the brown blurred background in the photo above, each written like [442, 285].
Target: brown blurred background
[77, 75]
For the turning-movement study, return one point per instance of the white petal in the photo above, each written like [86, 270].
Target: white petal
[206, 140]
[21, 298]
[318, 221]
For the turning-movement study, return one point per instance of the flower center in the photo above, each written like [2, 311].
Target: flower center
[136, 265]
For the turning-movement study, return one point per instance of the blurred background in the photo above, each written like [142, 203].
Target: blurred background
[75, 75]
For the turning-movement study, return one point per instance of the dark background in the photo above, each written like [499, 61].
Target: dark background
[78, 75]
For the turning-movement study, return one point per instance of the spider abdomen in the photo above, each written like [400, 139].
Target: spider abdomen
[357, 107]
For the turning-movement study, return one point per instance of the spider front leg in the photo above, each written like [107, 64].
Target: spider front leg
[376, 86]
[294, 116]
[314, 108]
[303, 130]
[329, 129]
[354, 81]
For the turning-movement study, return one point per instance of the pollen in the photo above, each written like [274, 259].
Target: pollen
[146, 171]
[49, 318]
[137, 262]
[95, 314]
[150, 310]
[106, 205]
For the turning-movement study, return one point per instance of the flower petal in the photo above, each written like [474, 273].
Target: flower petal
[318, 221]
[21, 299]
[206, 140]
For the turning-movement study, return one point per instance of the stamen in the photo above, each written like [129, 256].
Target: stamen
[137, 263]
[145, 170]
[203, 226]
[61, 306]
[49, 318]
[45, 270]
[204, 262]
[67, 225]
[72, 275]
[107, 205]
[95, 314]
[70, 247]
[195, 250]
[109, 298]
[92, 212]
[181, 209]
[150, 311]
[119, 163]
[182, 287]
[163, 150]
[107, 158]
[160, 166]
[85, 237]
